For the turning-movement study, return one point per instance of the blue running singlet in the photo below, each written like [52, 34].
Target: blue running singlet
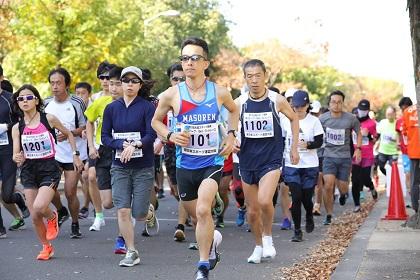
[201, 120]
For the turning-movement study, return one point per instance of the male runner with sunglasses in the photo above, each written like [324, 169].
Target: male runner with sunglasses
[200, 151]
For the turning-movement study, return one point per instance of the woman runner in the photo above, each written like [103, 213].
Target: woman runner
[34, 151]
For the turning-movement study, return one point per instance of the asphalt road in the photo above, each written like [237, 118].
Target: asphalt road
[92, 256]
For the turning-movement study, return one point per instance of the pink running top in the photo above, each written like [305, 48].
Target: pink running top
[367, 145]
[37, 143]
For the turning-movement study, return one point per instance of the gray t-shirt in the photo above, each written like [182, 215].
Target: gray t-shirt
[338, 133]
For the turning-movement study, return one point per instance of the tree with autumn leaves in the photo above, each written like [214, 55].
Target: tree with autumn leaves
[38, 35]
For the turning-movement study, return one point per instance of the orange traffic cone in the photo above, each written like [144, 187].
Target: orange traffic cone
[396, 205]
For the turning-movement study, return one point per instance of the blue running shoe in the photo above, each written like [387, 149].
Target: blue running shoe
[286, 225]
[240, 220]
[120, 248]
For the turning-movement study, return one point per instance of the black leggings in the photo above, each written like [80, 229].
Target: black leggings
[8, 177]
[1, 220]
[360, 177]
[300, 196]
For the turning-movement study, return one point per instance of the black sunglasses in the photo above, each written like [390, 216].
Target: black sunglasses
[133, 80]
[25, 97]
[104, 78]
[194, 57]
[178, 79]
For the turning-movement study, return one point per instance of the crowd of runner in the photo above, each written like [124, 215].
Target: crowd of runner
[262, 145]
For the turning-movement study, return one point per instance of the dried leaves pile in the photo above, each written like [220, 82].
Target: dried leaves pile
[324, 258]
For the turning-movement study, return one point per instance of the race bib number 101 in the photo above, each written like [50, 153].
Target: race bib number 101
[204, 139]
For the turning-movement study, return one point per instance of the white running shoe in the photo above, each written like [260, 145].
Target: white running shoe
[268, 248]
[256, 255]
[97, 224]
[214, 256]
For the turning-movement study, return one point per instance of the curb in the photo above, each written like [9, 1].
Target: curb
[350, 262]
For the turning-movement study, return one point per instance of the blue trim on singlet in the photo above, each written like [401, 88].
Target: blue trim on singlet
[259, 152]
[192, 112]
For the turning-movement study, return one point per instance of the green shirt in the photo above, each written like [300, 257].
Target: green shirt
[388, 144]
[95, 112]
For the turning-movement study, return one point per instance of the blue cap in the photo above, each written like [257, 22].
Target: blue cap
[300, 98]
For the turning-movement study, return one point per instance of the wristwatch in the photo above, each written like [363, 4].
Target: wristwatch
[136, 144]
[232, 131]
[76, 153]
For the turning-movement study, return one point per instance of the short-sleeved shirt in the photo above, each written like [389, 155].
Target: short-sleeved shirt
[388, 141]
[95, 112]
[71, 115]
[337, 134]
[411, 130]
[309, 127]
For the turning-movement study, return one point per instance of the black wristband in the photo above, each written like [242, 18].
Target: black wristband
[232, 131]
[169, 135]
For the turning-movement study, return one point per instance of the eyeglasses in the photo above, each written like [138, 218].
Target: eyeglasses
[178, 79]
[25, 97]
[194, 58]
[104, 78]
[133, 81]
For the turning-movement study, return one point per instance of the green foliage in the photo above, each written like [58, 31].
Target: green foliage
[319, 81]
[79, 34]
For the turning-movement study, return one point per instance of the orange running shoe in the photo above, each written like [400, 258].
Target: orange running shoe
[46, 253]
[52, 227]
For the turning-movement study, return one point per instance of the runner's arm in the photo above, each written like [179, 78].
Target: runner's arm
[284, 107]
[231, 106]
[17, 152]
[106, 134]
[55, 123]
[164, 106]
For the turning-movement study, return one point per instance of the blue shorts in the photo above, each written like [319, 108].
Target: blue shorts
[339, 167]
[305, 177]
[406, 163]
[253, 177]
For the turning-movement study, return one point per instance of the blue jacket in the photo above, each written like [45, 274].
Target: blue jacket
[136, 117]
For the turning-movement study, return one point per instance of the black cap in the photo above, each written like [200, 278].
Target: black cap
[364, 105]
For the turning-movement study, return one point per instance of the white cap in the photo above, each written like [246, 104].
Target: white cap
[290, 92]
[134, 70]
[316, 106]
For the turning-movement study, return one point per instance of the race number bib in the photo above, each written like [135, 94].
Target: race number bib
[388, 138]
[129, 136]
[365, 139]
[4, 140]
[258, 125]
[204, 139]
[37, 146]
[335, 136]
[288, 143]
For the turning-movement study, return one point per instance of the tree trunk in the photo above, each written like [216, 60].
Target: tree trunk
[414, 12]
